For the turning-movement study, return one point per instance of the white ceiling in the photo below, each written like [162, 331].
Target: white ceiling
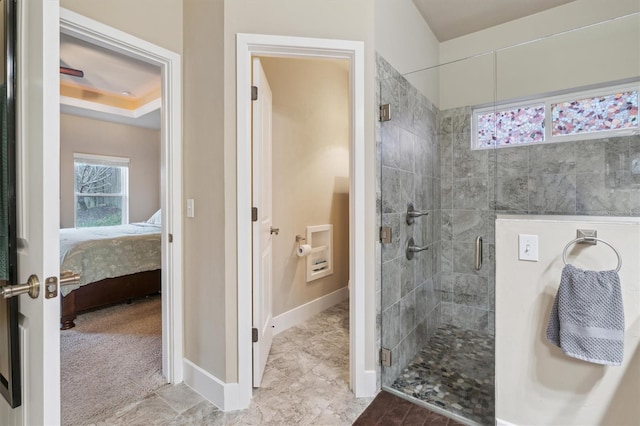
[454, 18]
[112, 73]
[106, 70]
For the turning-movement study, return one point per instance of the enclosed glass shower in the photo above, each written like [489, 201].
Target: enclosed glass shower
[543, 127]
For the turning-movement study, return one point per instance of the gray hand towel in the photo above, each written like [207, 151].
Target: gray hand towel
[587, 317]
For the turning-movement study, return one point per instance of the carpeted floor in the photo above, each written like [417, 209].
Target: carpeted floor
[112, 357]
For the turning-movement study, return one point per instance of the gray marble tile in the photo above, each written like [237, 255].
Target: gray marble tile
[512, 161]
[552, 193]
[391, 190]
[469, 224]
[446, 155]
[179, 397]
[464, 259]
[408, 313]
[406, 150]
[512, 193]
[446, 313]
[391, 326]
[470, 194]
[445, 124]
[407, 276]
[390, 283]
[447, 224]
[552, 158]
[602, 155]
[446, 193]
[470, 318]
[390, 145]
[424, 195]
[491, 283]
[468, 163]
[461, 123]
[437, 194]
[446, 261]
[470, 290]
[599, 192]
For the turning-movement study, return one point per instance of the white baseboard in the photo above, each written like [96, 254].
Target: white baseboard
[370, 384]
[500, 422]
[225, 396]
[304, 312]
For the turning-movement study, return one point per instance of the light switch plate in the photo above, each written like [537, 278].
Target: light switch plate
[190, 208]
[528, 247]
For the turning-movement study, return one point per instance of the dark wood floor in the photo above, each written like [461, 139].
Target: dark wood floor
[387, 409]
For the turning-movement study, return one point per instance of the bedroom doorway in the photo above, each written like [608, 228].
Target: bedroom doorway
[120, 198]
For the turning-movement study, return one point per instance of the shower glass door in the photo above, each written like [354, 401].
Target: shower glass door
[436, 202]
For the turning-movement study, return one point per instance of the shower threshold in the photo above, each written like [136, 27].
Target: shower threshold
[453, 374]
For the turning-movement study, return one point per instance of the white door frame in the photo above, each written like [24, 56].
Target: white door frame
[170, 63]
[248, 45]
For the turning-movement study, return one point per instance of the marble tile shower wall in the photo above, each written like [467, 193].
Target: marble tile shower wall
[467, 212]
[409, 160]
[593, 177]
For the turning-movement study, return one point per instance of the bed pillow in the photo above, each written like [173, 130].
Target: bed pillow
[156, 219]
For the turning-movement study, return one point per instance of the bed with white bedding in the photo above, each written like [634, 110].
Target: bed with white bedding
[115, 263]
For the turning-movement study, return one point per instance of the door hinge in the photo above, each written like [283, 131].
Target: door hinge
[254, 214]
[385, 357]
[170, 238]
[385, 234]
[254, 335]
[254, 93]
[385, 112]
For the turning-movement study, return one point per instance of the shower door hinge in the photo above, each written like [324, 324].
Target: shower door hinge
[254, 335]
[385, 357]
[385, 234]
[254, 93]
[254, 214]
[385, 112]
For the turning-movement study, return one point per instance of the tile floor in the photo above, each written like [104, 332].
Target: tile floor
[454, 371]
[305, 383]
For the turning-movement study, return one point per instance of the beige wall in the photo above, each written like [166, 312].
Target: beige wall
[206, 291]
[141, 146]
[536, 384]
[156, 21]
[310, 171]
[339, 19]
[594, 55]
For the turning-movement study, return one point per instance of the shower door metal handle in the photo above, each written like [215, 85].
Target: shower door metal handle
[478, 254]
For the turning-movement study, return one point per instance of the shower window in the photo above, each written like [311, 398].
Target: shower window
[605, 112]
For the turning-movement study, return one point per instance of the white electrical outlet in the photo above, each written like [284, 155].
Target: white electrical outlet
[528, 247]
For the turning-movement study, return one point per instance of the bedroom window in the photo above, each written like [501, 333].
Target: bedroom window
[101, 190]
[605, 112]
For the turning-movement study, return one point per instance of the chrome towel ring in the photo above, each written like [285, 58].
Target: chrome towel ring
[580, 240]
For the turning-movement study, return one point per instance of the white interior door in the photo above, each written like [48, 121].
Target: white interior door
[262, 232]
[38, 211]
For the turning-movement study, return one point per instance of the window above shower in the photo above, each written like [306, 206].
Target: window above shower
[578, 115]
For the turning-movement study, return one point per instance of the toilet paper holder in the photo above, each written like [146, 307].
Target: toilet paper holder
[300, 238]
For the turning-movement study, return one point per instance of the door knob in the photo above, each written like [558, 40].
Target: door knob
[273, 230]
[32, 287]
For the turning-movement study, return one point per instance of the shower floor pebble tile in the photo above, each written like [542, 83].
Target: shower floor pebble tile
[454, 371]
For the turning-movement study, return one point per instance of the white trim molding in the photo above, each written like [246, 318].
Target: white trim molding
[170, 63]
[302, 313]
[247, 46]
[222, 395]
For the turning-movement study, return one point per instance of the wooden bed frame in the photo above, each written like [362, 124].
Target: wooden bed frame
[108, 292]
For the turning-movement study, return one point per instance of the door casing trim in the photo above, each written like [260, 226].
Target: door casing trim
[170, 63]
[248, 45]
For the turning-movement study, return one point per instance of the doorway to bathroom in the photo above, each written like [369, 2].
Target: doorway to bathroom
[361, 381]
